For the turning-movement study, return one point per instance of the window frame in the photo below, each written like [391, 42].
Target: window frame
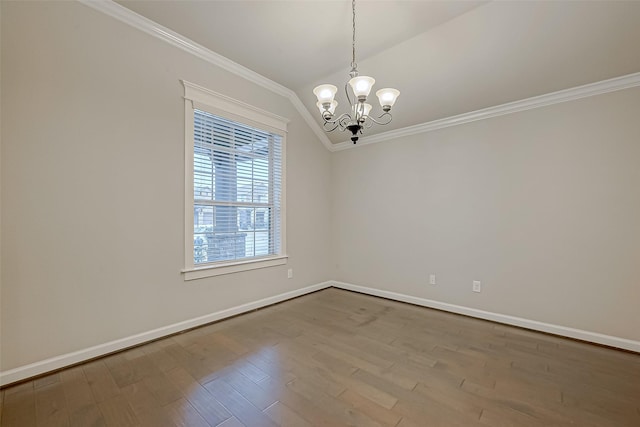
[200, 98]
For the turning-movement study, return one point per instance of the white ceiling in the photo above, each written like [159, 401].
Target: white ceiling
[445, 57]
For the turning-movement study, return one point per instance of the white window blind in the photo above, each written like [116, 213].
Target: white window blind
[237, 190]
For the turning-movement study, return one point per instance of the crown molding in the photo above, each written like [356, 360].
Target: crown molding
[146, 25]
[315, 127]
[129, 17]
[592, 89]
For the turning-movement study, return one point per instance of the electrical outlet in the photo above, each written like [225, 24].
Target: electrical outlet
[477, 286]
[290, 273]
[432, 279]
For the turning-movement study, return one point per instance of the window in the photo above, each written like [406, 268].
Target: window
[235, 185]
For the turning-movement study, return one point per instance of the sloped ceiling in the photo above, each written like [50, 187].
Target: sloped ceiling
[445, 57]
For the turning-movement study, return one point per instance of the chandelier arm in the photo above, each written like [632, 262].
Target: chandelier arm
[339, 119]
[346, 92]
[381, 116]
[345, 119]
[329, 128]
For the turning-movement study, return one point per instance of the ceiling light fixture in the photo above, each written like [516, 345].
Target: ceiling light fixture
[358, 118]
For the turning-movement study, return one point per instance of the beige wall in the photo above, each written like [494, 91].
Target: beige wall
[542, 206]
[93, 179]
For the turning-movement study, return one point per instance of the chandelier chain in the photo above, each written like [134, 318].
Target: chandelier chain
[353, 41]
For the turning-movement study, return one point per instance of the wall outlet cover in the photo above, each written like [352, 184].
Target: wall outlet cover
[477, 286]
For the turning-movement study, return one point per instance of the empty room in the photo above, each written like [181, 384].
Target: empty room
[319, 213]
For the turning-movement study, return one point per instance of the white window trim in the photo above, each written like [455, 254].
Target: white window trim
[197, 97]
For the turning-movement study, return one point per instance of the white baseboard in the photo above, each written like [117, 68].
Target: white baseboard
[27, 371]
[564, 331]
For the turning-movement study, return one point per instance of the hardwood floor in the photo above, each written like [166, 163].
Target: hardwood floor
[336, 358]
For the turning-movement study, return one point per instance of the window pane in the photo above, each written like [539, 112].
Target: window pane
[262, 219]
[249, 245]
[247, 218]
[244, 190]
[262, 243]
[203, 179]
[202, 229]
[237, 186]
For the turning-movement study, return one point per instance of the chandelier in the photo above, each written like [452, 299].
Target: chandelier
[358, 118]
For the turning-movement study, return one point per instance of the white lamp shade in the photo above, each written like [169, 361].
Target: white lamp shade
[325, 93]
[367, 109]
[361, 85]
[387, 96]
[332, 107]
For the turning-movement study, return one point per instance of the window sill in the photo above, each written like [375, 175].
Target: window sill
[233, 267]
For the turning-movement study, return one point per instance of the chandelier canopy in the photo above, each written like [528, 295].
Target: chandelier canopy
[358, 117]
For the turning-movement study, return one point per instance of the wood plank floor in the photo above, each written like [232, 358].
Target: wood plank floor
[337, 358]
